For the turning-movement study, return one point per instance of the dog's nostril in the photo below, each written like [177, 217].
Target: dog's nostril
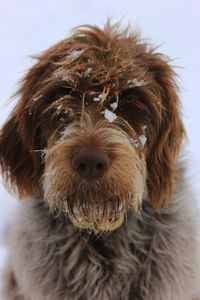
[99, 166]
[81, 166]
[90, 164]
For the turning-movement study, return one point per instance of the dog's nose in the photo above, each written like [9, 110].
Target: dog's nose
[90, 164]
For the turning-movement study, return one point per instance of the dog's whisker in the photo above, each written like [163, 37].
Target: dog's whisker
[42, 150]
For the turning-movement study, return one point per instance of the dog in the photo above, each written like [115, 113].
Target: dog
[93, 148]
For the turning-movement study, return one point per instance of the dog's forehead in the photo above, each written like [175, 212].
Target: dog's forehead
[83, 70]
[91, 58]
[92, 79]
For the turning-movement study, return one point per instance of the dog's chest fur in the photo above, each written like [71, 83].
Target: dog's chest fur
[141, 260]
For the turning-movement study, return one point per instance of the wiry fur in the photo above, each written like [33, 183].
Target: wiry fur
[63, 98]
[152, 256]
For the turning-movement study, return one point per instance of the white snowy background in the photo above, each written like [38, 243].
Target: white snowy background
[29, 26]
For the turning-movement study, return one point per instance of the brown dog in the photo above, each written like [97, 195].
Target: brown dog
[94, 143]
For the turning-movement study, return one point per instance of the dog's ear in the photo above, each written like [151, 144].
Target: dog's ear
[20, 138]
[168, 136]
[18, 166]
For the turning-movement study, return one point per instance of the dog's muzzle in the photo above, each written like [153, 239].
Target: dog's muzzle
[91, 165]
[94, 174]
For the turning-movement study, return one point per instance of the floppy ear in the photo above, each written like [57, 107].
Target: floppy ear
[24, 133]
[16, 161]
[161, 160]
[21, 166]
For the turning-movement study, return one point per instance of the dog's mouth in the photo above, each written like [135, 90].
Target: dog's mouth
[96, 224]
[97, 218]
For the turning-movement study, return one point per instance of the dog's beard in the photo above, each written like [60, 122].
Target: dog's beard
[99, 204]
[96, 206]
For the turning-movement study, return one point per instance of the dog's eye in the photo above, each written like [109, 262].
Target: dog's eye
[64, 114]
[132, 108]
[126, 106]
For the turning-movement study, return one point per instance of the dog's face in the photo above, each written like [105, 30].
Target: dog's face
[97, 125]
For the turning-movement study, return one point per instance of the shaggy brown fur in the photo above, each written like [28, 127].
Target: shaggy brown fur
[137, 237]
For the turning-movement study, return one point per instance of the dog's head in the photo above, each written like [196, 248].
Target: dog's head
[97, 124]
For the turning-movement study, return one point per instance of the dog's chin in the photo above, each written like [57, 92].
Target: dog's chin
[97, 226]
